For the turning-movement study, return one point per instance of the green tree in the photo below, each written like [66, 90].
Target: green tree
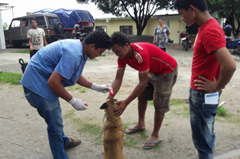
[5, 26]
[139, 10]
[229, 9]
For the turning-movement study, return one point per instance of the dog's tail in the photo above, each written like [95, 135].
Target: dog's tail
[21, 61]
[23, 65]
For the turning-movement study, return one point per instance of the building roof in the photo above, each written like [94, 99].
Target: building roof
[162, 12]
[3, 4]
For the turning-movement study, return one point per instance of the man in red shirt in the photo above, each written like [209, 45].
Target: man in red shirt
[212, 69]
[157, 75]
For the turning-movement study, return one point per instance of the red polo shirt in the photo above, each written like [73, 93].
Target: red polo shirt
[149, 57]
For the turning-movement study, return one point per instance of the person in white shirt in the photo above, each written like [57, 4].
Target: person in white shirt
[36, 37]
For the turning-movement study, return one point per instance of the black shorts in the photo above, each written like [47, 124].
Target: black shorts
[33, 53]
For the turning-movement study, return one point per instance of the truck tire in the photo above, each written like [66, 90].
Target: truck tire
[67, 35]
[50, 41]
[58, 27]
[7, 44]
[185, 45]
[17, 45]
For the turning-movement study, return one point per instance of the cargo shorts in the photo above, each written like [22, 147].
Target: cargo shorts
[159, 89]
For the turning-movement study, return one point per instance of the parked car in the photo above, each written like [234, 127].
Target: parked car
[17, 32]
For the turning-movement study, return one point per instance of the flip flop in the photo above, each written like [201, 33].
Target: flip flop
[133, 130]
[149, 147]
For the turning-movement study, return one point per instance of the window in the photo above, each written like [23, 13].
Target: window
[101, 28]
[52, 20]
[88, 24]
[126, 29]
[40, 20]
[16, 23]
[24, 22]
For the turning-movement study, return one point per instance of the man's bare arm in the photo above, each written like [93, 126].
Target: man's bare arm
[143, 77]
[55, 83]
[117, 82]
[84, 82]
[227, 68]
[45, 41]
[30, 44]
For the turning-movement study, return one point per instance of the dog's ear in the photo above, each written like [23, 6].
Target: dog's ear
[104, 106]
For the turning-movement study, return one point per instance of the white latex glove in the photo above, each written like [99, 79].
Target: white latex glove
[100, 88]
[78, 104]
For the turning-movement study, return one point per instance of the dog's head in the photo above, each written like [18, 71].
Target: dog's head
[109, 106]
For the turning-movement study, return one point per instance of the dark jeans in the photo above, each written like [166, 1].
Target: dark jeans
[202, 117]
[52, 114]
[164, 49]
[33, 53]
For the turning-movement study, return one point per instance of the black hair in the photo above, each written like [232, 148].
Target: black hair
[161, 18]
[33, 19]
[119, 38]
[99, 38]
[185, 4]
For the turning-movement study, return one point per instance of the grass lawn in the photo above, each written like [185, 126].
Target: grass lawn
[13, 78]
[23, 51]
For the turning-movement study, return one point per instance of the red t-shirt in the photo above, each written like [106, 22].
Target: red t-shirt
[210, 38]
[148, 57]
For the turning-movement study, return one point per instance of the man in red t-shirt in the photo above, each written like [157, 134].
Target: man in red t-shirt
[157, 75]
[212, 69]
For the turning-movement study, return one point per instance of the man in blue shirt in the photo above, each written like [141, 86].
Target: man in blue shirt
[54, 67]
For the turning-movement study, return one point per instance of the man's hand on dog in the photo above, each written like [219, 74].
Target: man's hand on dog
[120, 109]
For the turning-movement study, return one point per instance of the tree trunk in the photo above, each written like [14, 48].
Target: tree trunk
[139, 29]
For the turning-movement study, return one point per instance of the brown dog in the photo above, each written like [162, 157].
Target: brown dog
[113, 132]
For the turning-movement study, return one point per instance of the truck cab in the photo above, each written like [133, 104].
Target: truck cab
[18, 28]
[69, 18]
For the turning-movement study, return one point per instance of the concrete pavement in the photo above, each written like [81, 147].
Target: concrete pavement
[23, 133]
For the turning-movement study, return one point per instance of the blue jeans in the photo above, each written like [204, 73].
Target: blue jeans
[202, 117]
[52, 114]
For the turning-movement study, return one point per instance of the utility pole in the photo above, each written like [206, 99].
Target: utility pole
[12, 11]
[3, 7]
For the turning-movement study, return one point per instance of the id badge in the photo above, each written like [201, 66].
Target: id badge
[211, 98]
